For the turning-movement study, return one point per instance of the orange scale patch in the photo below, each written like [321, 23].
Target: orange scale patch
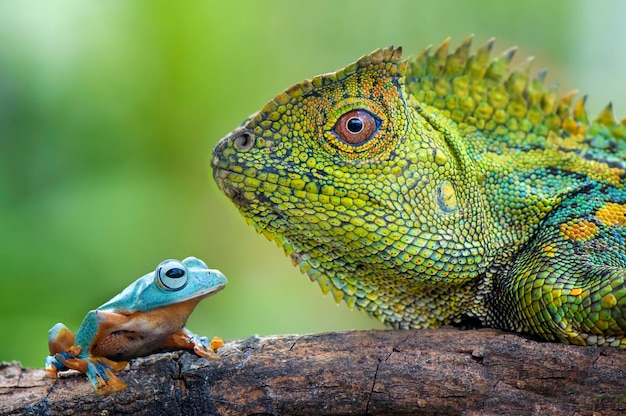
[549, 251]
[612, 214]
[577, 291]
[578, 230]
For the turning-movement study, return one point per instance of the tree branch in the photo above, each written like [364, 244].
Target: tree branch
[444, 371]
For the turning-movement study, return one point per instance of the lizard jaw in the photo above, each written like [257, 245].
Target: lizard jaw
[236, 194]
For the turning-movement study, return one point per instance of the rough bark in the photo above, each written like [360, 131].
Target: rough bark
[444, 371]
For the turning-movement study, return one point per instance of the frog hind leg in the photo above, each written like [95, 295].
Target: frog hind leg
[99, 370]
[60, 339]
[187, 340]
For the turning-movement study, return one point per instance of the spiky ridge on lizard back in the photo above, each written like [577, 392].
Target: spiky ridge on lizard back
[481, 92]
[439, 189]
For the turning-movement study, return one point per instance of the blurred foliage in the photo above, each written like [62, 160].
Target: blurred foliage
[109, 111]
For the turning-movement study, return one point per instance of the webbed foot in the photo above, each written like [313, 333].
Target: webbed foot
[56, 361]
[99, 370]
[100, 373]
[53, 366]
[187, 340]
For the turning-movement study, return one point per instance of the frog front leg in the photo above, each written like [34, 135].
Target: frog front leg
[187, 340]
[101, 373]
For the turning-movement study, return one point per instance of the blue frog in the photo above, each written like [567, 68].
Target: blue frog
[147, 317]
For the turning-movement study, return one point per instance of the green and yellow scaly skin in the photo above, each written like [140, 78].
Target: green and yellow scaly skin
[443, 190]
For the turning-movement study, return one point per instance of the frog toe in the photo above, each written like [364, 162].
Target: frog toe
[102, 377]
[70, 361]
[204, 352]
[53, 366]
[202, 347]
[216, 343]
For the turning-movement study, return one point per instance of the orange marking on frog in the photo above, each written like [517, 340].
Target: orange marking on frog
[124, 336]
[578, 230]
[612, 214]
[63, 341]
[216, 343]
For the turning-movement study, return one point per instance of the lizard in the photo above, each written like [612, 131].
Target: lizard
[449, 188]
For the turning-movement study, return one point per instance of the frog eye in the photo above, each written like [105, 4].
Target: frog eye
[171, 275]
[356, 127]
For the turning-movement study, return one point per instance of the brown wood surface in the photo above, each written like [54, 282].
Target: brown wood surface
[443, 371]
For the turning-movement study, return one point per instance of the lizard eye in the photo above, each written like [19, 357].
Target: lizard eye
[356, 127]
[171, 275]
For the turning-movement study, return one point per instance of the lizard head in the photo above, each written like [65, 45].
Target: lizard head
[356, 181]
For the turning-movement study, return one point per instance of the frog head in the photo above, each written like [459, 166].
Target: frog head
[172, 282]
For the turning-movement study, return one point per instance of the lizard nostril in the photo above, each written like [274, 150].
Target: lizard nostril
[244, 141]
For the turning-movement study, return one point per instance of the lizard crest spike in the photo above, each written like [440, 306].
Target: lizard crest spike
[455, 63]
[499, 67]
[441, 53]
[463, 51]
[535, 90]
[606, 116]
[518, 79]
[541, 75]
[526, 65]
[579, 112]
[477, 64]
[448, 188]
[563, 106]
[509, 54]
[481, 79]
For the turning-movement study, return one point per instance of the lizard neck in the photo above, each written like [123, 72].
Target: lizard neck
[397, 299]
[526, 177]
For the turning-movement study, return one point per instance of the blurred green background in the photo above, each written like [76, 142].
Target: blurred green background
[109, 111]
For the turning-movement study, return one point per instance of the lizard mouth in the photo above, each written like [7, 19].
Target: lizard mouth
[223, 178]
[252, 202]
[250, 193]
